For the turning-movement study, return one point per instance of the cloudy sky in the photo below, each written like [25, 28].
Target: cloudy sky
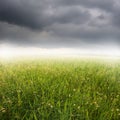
[60, 23]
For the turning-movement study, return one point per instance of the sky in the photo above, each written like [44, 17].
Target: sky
[58, 24]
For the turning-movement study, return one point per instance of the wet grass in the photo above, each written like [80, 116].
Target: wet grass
[49, 89]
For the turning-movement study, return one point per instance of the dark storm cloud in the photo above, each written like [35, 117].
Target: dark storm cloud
[71, 15]
[38, 14]
[22, 13]
[59, 22]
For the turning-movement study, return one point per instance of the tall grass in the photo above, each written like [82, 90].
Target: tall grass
[59, 90]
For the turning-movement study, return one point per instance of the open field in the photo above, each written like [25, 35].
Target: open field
[59, 89]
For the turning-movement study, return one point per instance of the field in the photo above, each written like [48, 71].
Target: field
[59, 89]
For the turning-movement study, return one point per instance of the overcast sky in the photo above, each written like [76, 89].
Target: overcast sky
[60, 23]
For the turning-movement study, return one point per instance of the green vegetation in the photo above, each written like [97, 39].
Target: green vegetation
[49, 89]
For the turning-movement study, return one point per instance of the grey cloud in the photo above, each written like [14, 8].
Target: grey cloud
[36, 15]
[72, 15]
[85, 32]
[116, 18]
[8, 31]
[107, 5]
[23, 13]
[59, 22]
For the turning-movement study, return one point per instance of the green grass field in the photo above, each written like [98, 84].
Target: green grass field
[58, 89]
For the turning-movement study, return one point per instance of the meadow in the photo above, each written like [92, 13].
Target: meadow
[59, 89]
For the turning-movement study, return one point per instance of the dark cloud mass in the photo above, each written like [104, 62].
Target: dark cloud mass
[59, 23]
